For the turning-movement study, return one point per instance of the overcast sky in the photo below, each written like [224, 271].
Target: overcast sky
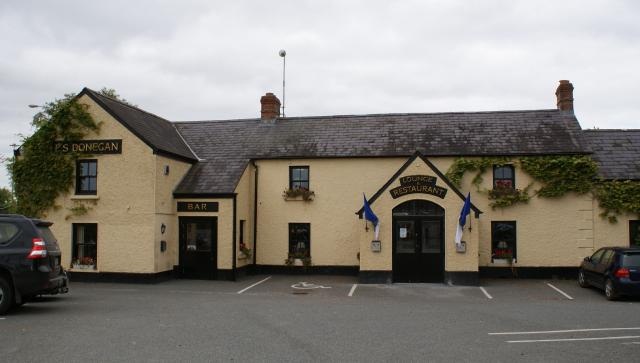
[197, 60]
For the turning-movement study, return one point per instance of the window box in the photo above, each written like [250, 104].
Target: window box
[299, 194]
[85, 263]
[297, 260]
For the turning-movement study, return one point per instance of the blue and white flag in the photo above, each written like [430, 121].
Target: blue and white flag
[466, 209]
[370, 216]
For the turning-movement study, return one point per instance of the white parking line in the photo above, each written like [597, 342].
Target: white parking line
[486, 293]
[573, 339]
[560, 291]
[353, 288]
[2, 318]
[256, 284]
[561, 331]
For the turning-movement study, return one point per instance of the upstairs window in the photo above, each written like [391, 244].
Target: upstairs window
[503, 177]
[87, 177]
[299, 177]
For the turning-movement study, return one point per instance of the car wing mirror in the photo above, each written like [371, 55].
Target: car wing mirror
[587, 259]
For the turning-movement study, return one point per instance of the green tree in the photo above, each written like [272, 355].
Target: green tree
[40, 175]
[110, 92]
[7, 202]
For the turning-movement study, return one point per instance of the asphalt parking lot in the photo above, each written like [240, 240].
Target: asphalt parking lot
[323, 318]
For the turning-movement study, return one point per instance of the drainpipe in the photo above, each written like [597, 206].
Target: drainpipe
[233, 268]
[255, 212]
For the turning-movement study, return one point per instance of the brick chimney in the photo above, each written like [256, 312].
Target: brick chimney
[564, 94]
[270, 109]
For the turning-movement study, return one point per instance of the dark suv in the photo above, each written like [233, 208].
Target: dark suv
[29, 261]
[616, 270]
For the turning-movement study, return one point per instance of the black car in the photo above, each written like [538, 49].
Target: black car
[29, 261]
[616, 270]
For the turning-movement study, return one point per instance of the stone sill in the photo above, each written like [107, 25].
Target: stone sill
[298, 199]
[84, 197]
[90, 270]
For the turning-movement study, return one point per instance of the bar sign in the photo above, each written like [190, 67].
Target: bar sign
[197, 206]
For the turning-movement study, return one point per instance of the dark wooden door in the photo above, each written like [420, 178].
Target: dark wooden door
[198, 247]
[418, 249]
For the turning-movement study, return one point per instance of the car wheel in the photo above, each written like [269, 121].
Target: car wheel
[6, 295]
[610, 290]
[581, 280]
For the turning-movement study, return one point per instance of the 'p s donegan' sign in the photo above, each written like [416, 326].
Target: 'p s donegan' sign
[418, 184]
[90, 147]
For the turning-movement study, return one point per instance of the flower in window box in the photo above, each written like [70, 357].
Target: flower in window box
[245, 250]
[302, 256]
[303, 192]
[84, 263]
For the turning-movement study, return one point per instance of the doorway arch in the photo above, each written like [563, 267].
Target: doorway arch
[418, 242]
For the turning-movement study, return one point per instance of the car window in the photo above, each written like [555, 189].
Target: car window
[48, 236]
[7, 232]
[596, 257]
[606, 257]
[631, 260]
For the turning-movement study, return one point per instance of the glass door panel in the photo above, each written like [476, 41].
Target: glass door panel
[406, 242]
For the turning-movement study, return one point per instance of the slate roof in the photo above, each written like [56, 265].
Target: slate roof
[227, 146]
[616, 151]
[155, 131]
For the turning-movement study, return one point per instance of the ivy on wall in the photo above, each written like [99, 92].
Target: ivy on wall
[40, 175]
[500, 197]
[558, 176]
[617, 197]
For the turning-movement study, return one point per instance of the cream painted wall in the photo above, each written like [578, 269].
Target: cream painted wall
[335, 229]
[123, 207]
[550, 232]
[225, 228]
[244, 211]
[452, 203]
[165, 207]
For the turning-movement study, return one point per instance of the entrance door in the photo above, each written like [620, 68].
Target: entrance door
[198, 246]
[418, 243]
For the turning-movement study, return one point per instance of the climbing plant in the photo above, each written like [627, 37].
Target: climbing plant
[617, 197]
[558, 175]
[40, 175]
[500, 197]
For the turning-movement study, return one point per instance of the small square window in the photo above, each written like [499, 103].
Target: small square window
[503, 177]
[299, 177]
[503, 240]
[87, 176]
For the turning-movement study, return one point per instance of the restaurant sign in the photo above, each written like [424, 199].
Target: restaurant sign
[418, 184]
[89, 147]
[197, 206]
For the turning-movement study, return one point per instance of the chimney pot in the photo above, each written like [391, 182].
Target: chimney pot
[564, 95]
[270, 107]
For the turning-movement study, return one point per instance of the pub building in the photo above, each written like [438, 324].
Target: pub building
[220, 199]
